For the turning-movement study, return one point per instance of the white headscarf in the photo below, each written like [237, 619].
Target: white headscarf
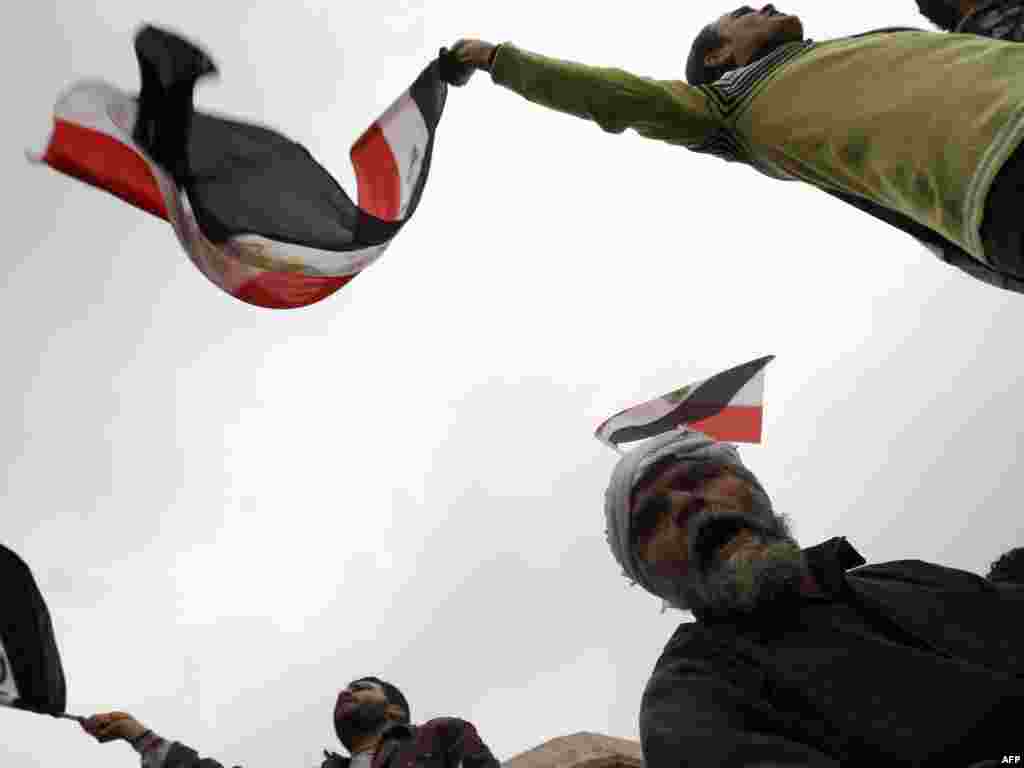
[686, 444]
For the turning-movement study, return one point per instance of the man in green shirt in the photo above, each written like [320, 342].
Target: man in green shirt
[912, 127]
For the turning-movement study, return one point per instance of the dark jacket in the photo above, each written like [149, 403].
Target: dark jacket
[897, 664]
[445, 742]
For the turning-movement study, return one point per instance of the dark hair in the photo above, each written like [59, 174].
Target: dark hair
[1009, 567]
[393, 695]
[942, 13]
[697, 72]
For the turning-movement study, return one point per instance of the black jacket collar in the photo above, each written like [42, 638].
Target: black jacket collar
[393, 733]
[829, 562]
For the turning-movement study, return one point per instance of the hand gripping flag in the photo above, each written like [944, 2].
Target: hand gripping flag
[259, 216]
[31, 674]
[727, 407]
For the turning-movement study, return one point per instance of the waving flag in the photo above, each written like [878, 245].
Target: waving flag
[31, 675]
[253, 210]
[727, 406]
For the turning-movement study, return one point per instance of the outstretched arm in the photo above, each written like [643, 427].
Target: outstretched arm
[668, 110]
[156, 752]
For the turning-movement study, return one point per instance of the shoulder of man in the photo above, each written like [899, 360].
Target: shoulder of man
[456, 738]
[701, 649]
[691, 638]
[919, 573]
[447, 730]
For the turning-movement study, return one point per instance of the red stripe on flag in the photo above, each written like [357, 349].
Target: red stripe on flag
[106, 163]
[734, 423]
[287, 290]
[380, 191]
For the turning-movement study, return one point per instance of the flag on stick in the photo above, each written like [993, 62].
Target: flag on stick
[253, 210]
[727, 406]
[31, 675]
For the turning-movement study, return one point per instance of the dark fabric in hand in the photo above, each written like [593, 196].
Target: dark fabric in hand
[453, 71]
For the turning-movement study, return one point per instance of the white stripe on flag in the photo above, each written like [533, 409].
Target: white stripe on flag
[407, 136]
[8, 686]
[750, 394]
[691, 404]
[271, 255]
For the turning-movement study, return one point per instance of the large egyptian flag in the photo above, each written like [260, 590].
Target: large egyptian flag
[253, 210]
[728, 406]
[31, 674]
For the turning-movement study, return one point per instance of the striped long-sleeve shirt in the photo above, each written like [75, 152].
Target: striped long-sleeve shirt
[914, 122]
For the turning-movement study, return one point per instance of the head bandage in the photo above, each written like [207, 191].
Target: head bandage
[687, 445]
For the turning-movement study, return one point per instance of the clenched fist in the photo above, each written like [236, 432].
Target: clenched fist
[464, 58]
[475, 53]
[110, 726]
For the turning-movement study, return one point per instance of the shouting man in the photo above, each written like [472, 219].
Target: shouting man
[371, 719]
[917, 128]
[795, 659]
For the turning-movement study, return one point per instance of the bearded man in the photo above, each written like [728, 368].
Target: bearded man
[371, 719]
[798, 657]
[916, 128]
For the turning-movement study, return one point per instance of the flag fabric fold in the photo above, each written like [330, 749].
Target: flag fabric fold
[727, 407]
[254, 211]
[31, 673]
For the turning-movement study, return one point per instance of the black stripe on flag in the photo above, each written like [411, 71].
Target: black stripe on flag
[27, 636]
[247, 179]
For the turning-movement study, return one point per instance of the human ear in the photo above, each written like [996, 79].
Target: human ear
[719, 56]
[394, 712]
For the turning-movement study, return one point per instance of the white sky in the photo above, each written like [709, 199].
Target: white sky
[232, 511]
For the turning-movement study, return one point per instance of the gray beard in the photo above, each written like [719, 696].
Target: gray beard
[368, 718]
[765, 586]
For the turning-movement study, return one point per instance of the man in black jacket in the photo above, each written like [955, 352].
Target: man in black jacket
[795, 659]
[371, 718]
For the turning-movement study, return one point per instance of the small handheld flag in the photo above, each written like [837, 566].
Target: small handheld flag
[31, 674]
[727, 407]
[253, 209]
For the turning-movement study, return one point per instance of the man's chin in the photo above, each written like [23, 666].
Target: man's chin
[757, 581]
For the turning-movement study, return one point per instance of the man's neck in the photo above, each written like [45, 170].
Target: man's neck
[367, 743]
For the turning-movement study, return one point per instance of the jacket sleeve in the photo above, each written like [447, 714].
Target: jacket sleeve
[173, 754]
[465, 748]
[669, 110]
[690, 717]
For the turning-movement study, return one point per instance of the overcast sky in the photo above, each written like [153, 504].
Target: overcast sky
[234, 511]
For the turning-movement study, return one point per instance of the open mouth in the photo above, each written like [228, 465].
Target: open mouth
[716, 534]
